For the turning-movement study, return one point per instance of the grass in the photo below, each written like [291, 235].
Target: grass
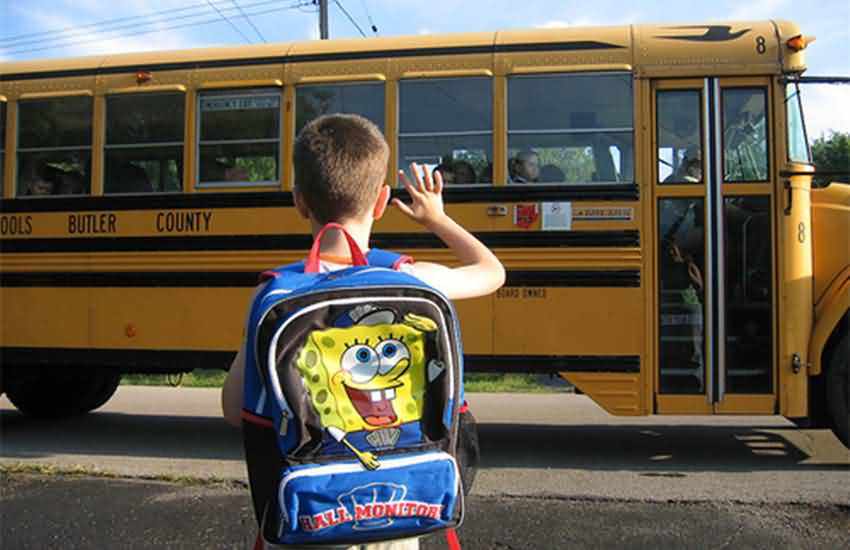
[474, 382]
[9, 469]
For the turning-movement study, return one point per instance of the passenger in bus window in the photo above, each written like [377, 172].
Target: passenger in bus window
[486, 175]
[70, 183]
[689, 169]
[552, 174]
[38, 179]
[445, 171]
[464, 172]
[525, 167]
[133, 179]
[236, 173]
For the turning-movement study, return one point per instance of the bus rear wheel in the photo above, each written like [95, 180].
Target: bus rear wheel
[838, 390]
[57, 393]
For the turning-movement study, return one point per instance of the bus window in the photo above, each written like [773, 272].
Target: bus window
[54, 146]
[682, 301]
[144, 143]
[679, 136]
[748, 295]
[364, 99]
[447, 124]
[239, 137]
[798, 143]
[570, 128]
[744, 134]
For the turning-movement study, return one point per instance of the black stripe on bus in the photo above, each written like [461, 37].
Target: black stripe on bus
[552, 364]
[127, 360]
[254, 199]
[576, 45]
[145, 360]
[401, 241]
[629, 278]
[194, 279]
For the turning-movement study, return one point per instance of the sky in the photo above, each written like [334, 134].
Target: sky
[33, 29]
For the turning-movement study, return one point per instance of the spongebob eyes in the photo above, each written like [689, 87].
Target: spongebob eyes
[361, 362]
[364, 362]
[390, 353]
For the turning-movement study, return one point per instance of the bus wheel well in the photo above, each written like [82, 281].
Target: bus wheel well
[818, 411]
[836, 382]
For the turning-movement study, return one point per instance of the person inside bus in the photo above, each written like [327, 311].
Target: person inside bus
[446, 171]
[464, 172]
[552, 174]
[525, 167]
[486, 175]
[70, 183]
[38, 179]
[689, 169]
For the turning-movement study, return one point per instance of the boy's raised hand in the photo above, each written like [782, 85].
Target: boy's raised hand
[426, 196]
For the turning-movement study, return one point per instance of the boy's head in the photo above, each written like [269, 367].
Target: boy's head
[340, 166]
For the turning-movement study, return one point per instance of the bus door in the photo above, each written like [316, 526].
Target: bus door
[714, 249]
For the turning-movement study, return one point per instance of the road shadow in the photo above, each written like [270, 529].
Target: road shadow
[117, 434]
[651, 450]
[655, 451]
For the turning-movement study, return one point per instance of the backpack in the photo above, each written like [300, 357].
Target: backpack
[352, 398]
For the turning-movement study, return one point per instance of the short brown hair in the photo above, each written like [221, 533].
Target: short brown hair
[340, 165]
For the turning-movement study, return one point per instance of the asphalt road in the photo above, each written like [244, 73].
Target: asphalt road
[557, 471]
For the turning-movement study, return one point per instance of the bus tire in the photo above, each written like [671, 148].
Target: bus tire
[838, 389]
[58, 393]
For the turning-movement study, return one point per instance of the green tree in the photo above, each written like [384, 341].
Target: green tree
[832, 154]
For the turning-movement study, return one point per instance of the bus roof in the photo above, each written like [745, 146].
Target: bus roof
[651, 50]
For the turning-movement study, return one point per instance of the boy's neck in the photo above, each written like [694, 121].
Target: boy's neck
[334, 243]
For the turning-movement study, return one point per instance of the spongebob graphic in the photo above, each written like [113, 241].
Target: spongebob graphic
[367, 381]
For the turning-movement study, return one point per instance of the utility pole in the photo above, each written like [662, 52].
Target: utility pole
[323, 19]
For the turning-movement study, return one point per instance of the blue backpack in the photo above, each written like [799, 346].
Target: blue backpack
[353, 391]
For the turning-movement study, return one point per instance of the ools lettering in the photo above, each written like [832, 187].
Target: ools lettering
[15, 225]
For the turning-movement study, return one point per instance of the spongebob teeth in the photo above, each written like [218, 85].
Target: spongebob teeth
[375, 396]
[389, 394]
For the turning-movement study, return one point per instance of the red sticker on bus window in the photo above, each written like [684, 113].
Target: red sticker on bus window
[526, 214]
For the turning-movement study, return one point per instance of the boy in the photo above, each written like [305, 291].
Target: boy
[340, 169]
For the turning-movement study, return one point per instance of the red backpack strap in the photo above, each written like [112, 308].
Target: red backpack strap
[452, 540]
[357, 257]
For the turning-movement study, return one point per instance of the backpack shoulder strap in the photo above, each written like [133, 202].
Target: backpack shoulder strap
[297, 267]
[388, 259]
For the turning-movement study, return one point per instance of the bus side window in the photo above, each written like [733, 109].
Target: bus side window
[679, 131]
[364, 99]
[54, 146]
[239, 137]
[570, 128]
[446, 124]
[144, 143]
[2, 146]
[744, 134]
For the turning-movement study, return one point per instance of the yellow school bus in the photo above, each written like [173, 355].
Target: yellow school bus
[647, 187]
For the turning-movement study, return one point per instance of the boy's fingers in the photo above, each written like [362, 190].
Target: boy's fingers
[403, 207]
[438, 182]
[414, 169]
[414, 193]
[428, 185]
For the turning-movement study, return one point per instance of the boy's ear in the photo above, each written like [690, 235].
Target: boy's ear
[381, 202]
[300, 205]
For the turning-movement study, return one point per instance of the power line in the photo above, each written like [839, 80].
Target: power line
[348, 15]
[369, 17]
[105, 22]
[133, 22]
[229, 22]
[248, 19]
[173, 27]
